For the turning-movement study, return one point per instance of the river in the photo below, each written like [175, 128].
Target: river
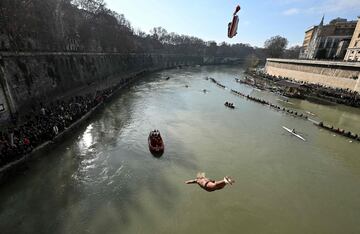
[104, 180]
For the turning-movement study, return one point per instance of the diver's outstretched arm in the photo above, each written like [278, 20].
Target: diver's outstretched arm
[191, 182]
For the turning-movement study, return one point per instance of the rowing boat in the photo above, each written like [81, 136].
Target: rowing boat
[286, 101]
[310, 113]
[295, 134]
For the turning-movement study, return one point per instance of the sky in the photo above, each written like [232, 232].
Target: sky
[258, 19]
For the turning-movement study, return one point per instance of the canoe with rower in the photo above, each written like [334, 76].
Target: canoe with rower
[294, 133]
[230, 105]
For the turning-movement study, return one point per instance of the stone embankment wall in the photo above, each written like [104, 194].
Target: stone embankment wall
[27, 78]
[344, 75]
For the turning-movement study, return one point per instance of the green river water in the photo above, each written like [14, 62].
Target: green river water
[104, 180]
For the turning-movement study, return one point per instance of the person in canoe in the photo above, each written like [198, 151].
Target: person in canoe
[230, 105]
[210, 185]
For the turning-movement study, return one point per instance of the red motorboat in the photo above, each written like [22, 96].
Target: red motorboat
[156, 144]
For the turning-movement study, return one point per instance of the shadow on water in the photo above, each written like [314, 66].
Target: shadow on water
[93, 180]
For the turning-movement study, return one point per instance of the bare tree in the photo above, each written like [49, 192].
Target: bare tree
[292, 53]
[87, 25]
[93, 6]
[14, 17]
[275, 46]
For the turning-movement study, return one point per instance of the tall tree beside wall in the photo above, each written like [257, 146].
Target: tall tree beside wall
[275, 46]
[30, 24]
[14, 19]
[292, 53]
[89, 26]
[92, 6]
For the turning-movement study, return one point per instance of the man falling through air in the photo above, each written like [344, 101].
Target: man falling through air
[210, 185]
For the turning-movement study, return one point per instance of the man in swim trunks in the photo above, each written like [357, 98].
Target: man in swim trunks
[210, 185]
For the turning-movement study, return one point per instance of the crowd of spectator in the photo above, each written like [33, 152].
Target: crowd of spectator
[43, 123]
[338, 95]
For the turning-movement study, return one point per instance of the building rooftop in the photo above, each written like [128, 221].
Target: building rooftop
[311, 28]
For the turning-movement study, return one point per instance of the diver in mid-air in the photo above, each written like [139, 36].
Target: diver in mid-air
[233, 25]
[210, 185]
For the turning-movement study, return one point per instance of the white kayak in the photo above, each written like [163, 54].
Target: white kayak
[310, 113]
[281, 100]
[295, 134]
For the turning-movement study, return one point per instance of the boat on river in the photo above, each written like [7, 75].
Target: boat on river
[294, 133]
[310, 113]
[230, 105]
[156, 143]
